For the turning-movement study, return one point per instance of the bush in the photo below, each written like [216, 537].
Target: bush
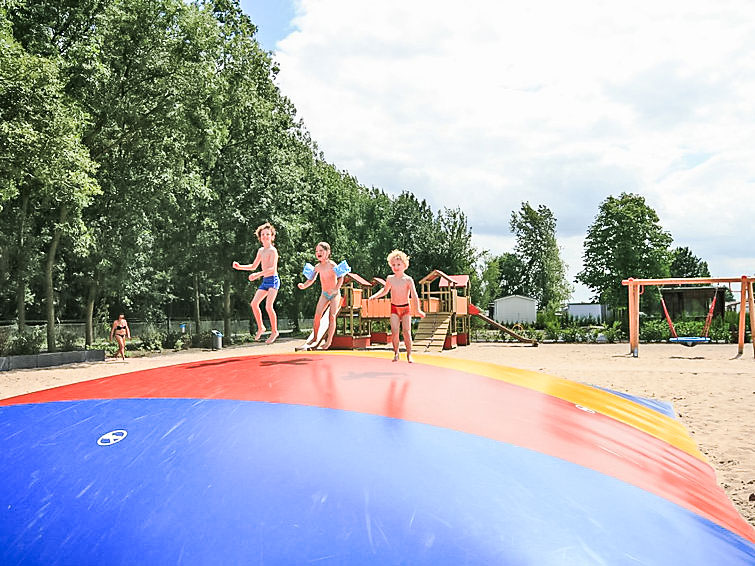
[572, 334]
[552, 330]
[152, 339]
[613, 333]
[27, 342]
[171, 338]
[110, 347]
[654, 331]
[6, 339]
[67, 340]
[202, 340]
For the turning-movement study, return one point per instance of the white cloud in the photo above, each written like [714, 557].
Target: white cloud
[486, 104]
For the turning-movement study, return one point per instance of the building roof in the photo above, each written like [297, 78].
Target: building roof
[357, 279]
[507, 297]
[460, 280]
[449, 280]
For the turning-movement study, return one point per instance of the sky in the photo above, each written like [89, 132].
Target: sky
[486, 104]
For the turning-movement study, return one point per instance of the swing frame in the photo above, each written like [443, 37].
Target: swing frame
[690, 341]
[635, 288]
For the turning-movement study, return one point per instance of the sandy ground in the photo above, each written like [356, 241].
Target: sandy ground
[712, 390]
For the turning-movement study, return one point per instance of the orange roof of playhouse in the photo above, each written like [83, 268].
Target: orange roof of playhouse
[357, 279]
[446, 280]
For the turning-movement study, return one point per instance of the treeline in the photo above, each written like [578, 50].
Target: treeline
[141, 143]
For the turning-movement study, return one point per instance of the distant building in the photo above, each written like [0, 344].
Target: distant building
[597, 312]
[514, 308]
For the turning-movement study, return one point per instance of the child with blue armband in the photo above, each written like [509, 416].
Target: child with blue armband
[331, 279]
[267, 260]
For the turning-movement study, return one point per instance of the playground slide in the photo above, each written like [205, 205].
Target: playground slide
[473, 310]
[313, 343]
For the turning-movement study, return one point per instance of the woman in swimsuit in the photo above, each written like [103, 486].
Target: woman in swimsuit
[330, 297]
[121, 331]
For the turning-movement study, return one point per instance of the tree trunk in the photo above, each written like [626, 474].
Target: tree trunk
[49, 289]
[21, 267]
[21, 295]
[227, 310]
[91, 298]
[197, 320]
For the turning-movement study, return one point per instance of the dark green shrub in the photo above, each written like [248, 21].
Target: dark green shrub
[27, 342]
[110, 347]
[152, 339]
[171, 338]
[67, 341]
[202, 340]
[6, 339]
[613, 333]
[552, 330]
[654, 331]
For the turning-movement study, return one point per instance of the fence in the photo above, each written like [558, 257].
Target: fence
[102, 332]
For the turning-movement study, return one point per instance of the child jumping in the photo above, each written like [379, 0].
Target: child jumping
[402, 289]
[267, 258]
[331, 279]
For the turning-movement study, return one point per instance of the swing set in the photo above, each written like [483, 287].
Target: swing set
[636, 288]
[689, 341]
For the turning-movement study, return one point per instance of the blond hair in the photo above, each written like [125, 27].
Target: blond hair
[325, 246]
[265, 226]
[399, 254]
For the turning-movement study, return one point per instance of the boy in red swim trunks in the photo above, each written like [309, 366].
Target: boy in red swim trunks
[267, 260]
[402, 290]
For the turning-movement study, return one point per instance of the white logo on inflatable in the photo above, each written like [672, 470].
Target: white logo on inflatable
[112, 437]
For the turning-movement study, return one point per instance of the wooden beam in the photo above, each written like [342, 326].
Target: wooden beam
[689, 280]
[751, 303]
[742, 310]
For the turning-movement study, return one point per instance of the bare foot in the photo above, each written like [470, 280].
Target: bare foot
[409, 358]
[272, 338]
[395, 357]
[326, 346]
[260, 332]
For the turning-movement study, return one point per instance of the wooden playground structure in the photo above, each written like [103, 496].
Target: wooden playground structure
[444, 299]
[636, 287]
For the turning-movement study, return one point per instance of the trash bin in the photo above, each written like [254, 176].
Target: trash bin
[217, 340]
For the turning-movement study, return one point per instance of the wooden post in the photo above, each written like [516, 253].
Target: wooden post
[751, 303]
[742, 310]
[634, 318]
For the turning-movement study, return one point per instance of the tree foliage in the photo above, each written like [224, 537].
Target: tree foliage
[543, 270]
[625, 240]
[142, 142]
[685, 264]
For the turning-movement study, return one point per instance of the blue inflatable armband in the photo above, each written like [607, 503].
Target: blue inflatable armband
[342, 269]
[309, 271]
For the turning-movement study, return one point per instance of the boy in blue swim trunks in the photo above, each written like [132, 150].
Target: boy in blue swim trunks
[331, 290]
[267, 260]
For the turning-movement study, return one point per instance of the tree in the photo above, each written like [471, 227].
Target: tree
[512, 276]
[44, 164]
[625, 240]
[537, 249]
[685, 264]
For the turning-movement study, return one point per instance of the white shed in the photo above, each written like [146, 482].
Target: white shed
[514, 308]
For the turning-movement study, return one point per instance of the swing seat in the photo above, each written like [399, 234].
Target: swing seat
[689, 341]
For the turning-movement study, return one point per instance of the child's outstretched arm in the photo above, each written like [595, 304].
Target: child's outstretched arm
[307, 283]
[415, 299]
[383, 292]
[249, 266]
